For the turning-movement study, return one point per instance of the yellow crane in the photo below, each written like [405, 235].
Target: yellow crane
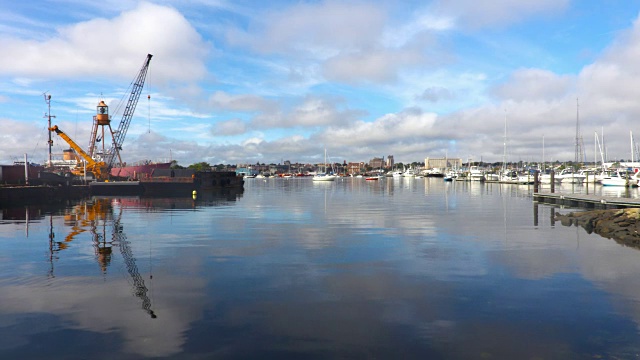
[98, 168]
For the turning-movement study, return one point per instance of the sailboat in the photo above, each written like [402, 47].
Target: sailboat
[323, 176]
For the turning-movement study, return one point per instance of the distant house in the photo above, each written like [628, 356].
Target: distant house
[355, 167]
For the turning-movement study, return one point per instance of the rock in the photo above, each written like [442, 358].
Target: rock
[621, 225]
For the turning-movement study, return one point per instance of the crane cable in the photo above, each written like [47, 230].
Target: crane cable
[149, 101]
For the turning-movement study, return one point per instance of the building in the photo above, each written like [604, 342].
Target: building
[355, 168]
[390, 162]
[376, 163]
[442, 163]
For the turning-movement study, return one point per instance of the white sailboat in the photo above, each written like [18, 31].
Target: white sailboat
[323, 176]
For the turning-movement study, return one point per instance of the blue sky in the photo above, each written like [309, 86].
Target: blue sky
[253, 81]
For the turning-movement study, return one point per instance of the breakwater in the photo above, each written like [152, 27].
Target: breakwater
[621, 225]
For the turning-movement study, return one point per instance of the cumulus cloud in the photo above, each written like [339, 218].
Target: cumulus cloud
[312, 111]
[477, 14]
[435, 94]
[221, 100]
[313, 27]
[380, 65]
[102, 48]
[409, 124]
[229, 127]
[353, 42]
[534, 84]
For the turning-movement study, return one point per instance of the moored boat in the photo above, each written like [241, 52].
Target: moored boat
[618, 178]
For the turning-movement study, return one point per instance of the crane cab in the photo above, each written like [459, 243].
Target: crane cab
[102, 114]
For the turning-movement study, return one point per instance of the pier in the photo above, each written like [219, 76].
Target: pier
[585, 201]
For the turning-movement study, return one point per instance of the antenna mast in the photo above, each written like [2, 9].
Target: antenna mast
[47, 99]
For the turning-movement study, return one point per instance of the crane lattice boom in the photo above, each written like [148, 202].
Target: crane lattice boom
[121, 132]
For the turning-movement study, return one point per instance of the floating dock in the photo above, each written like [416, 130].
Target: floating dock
[585, 201]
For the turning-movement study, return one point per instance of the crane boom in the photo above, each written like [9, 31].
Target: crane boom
[95, 167]
[121, 132]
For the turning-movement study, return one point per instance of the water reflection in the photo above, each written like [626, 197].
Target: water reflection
[293, 269]
[131, 292]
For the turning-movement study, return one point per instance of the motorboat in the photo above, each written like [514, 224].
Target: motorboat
[513, 177]
[618, 178]
[476, 174]
[568, 176]
[450, 175]
[409, 173]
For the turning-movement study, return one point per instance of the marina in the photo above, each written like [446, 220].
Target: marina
[320, 180]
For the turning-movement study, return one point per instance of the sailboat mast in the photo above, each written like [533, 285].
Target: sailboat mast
[578, 150]
[504, 153]
[544, 165]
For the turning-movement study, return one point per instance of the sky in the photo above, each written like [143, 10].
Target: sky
[234, 82]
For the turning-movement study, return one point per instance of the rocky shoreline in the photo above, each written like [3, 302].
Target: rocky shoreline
[621, 225]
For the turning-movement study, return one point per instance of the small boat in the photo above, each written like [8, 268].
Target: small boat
[475, 174]
[619, 179]
[568, 176]
[450, 175]
[409, 173]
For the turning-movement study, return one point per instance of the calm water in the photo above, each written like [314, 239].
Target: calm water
[405, 268]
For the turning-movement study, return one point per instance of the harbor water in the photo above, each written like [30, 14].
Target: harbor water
[292, 268]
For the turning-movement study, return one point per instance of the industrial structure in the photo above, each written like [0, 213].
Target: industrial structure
[99, 160]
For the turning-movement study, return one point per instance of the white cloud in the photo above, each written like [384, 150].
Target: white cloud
[477, 14]
[310, 112]
[229, 127]
[221, 100]
[317, 28]
[435, 94]
[408, 126]
[533, 84]
[103, 48]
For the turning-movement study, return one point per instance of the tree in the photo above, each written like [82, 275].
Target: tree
[201, 166]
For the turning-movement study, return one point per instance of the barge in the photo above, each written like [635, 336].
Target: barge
[170, 182]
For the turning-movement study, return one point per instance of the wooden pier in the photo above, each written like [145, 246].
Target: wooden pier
[585, 201]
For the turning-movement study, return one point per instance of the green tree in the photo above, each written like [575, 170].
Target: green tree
[201, 166]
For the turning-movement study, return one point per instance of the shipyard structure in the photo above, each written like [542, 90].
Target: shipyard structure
[100, 167]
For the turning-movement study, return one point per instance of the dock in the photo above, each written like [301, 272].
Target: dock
[585, 201]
